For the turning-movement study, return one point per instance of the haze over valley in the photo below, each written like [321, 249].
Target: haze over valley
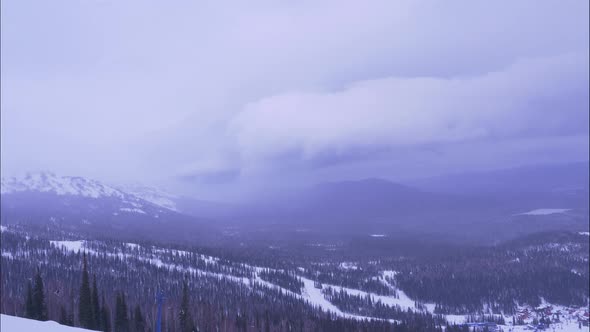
[294, 166]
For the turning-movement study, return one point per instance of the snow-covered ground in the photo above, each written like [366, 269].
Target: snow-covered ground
[61, 185]
[543, 212]
[348, 266]
[313, 295]
[568, 321]
[132, 210]
[309, 293]
[17, 324]
[153, 195]
[74, 246]
[136, 202]
[561, 327]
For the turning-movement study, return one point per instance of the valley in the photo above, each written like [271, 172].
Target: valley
[367, 255]
[388, 289]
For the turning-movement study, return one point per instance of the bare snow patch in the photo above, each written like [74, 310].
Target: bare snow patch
[132, 210]
[543, 212]
[348, 266]
[74, 246]
[132, 245]
[153, 195]
[60, 185]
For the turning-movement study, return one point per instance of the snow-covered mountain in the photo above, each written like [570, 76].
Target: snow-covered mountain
[60, 185]
[81, 204]
[179, 203]
[153, 195]
[50, 184]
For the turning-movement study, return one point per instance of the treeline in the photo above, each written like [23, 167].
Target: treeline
[498, 279]
[92, 313]
[367, 306]
[497, 319]
[222, 294]
[121, 286]
[363, 277]
[284, 279]
[35, 306]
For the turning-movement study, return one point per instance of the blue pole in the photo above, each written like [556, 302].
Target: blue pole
[159, 318]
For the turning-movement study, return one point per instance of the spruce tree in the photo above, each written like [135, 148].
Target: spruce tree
[121, 318]
[125, 313]
[105, 316]
[85, 314]
[39, 305]
[29, 309]
[65, 318]
[186, 321]
[139, 323]
[118, 313]
[95, 305]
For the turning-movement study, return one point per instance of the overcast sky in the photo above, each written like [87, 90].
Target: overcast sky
[218, 97]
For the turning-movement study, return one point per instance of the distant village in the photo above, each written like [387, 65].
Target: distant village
[541, 318]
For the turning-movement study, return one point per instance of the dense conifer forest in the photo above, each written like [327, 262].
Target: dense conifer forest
[112, 286]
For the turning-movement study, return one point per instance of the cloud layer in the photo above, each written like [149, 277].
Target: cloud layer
[227, 95]
[534, 97]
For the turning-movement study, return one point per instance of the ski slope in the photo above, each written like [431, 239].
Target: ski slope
[310, 294]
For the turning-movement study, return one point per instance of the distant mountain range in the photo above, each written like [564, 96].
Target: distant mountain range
[153, 195]
[475, 205]
[94, 197]
[85, 205]
[556, 178]
[496, 203]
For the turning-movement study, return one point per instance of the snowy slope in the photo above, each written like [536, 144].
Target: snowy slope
[79, 192]
[309, 293]
[60, 185]
[153, 195]
[81, 204]
[66, 187]
[17, 324]
[160, 257]
[76, 204]
[134, 199]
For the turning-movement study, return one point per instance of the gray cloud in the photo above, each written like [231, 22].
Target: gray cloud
[540, 97]
[288, 91]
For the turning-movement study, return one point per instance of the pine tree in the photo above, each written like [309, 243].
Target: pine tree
[125, 313]
[118, 313]
[85, 314]
[65, 318]
[266, 321]
[186, 321]
[139, 323]
[105, 316]
[29, 309]
[39, 305]
[95, 305]
[121, 318]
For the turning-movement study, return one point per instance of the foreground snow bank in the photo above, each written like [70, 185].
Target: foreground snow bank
[17, 324]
